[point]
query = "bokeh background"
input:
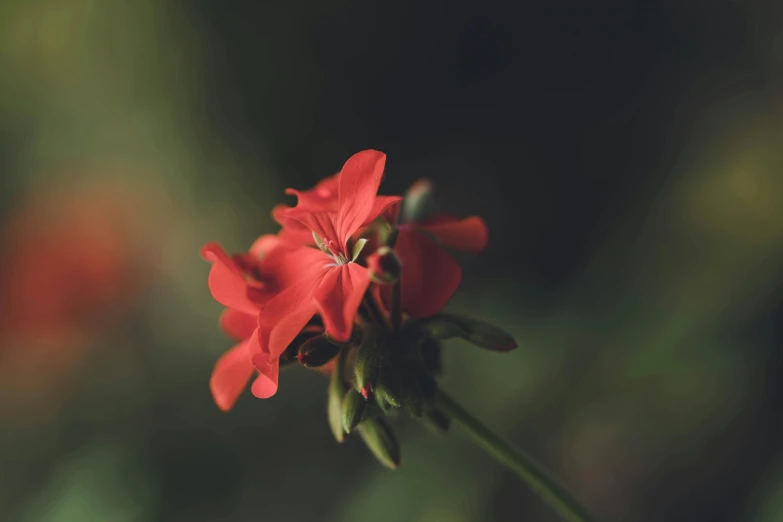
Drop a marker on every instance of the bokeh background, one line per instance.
(627, 156)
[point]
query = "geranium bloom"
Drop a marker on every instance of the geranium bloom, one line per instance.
(327, 279)
(236, 282)
(430, 275)
(315, 267)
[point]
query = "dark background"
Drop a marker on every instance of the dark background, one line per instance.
(625, 155)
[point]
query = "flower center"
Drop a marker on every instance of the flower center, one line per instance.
(339, 258)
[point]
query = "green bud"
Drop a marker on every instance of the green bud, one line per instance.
(419, 390)
(367, 364)
(317, 351)
(390, 388)
(380, 439)
(337, 390)
(380, 400)
(290, 354)
(374, 408)
(484, 335)
(444, 327)
(354, 407)
(417, 201)
(384, 265)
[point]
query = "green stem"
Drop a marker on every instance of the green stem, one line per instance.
(373, 310)
(396, 311)
(525, 467)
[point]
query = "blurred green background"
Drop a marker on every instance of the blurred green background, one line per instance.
(627, 157)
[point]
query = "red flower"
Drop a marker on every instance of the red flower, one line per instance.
(326, 279)
(236, 282)
(73, 264)
(430, 275)
(274, 291)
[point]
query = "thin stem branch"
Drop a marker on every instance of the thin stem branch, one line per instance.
(396, 311)
(525, 467)
(374, 311)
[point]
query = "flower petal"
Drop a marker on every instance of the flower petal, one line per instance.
(264, 244)
(339, 296)
(286, 266)
(279, 214)
(226, 281)
(358, 185)
(468, 235)
(286, 314)
(230, 376)
(430, 276)
(386, 205)
(321, 198)
(238, 325)
(265, 384)
(390, 211)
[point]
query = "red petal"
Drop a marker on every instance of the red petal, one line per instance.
(358, 185)
(264, 244)
(265, 384)
(430, 276)
(468, 235)
(287, 266)
(226, 281)
(339, 296)
(231, 375)
(294, 232)
(238, 325)
(286, 314)
(392, 211)
(321, 198)
(322, 223)
(389, 206)
(279, 214)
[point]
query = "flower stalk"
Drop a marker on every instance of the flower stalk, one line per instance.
(396, 311)
(514, 459)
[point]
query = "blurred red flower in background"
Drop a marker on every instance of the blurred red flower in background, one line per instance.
(69, 270)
